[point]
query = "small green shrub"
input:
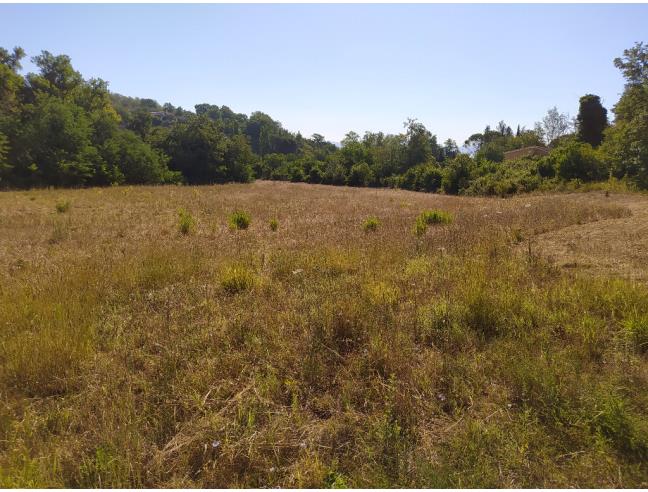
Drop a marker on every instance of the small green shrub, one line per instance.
(237, 278)
(371, 224)
(62, 206)
(274, 225)
(239, 220)
(187, 224)
(431, 217)
(335, 480)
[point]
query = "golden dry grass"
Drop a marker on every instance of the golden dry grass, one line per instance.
(316, 355)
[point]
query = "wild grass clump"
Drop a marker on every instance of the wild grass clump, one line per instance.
(237, 278)
(239, 220)
(624, 430)
(60, 231)
(371, 224)
(431, 217)
(62, 206)
(420, 227)
(274, 224)
(636, 329)
(186, 223)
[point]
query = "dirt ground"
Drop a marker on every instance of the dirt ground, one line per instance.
(617, 246)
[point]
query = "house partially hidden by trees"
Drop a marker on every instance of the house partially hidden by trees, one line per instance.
(532, 151)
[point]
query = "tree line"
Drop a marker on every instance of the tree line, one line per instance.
(58, 129)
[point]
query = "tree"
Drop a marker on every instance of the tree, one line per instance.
(591, 120)
(129, 159)
(11, 83)
(140, 122)
(504, 130)
(555, 125)
(12, 60)
(634, 64)
(419, 143)
(203, 153)
(360, 175)
(626, 143)
(5, 168)
(57, 77)
(238, 160)
(450, 149)
(457, 174)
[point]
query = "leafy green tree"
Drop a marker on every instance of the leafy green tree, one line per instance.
(352, 152)
(239, 160)
(626, 142)
(55, 146)
(140, 122)
(419, 143)
(450, 149)
(634, 64)
(197, 149)
(56, 77)
(457, 174)
(267, 136)
(591, 120)
(316, 173)
(129, 159)
(5, 167)
(11, 83)
(360, 175)
(334, 173)
(270, 164)
(424, 177)
(203, 154)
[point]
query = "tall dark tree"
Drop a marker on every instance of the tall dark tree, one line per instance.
(591, 120)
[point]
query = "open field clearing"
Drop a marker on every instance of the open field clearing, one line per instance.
(141, 346)
(616, 246)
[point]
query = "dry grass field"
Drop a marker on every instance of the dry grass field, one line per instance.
(139, 348)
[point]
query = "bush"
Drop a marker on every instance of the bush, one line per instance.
(239, 220)
(457, 174)
(576, 160)
(62, 206)
(360, 175)
(237, 278)
(425, 177)
(187, 224)
(371, 224)
(274, 225)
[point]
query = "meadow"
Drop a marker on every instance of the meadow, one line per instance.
(284, 334)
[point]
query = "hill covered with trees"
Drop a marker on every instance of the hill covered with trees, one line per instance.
(59, 129)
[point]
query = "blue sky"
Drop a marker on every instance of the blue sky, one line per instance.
(334, 68)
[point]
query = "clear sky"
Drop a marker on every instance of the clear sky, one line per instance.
(334, 68)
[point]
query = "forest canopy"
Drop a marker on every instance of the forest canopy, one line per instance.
(59, 129)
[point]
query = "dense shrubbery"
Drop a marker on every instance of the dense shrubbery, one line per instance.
(57, 129)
